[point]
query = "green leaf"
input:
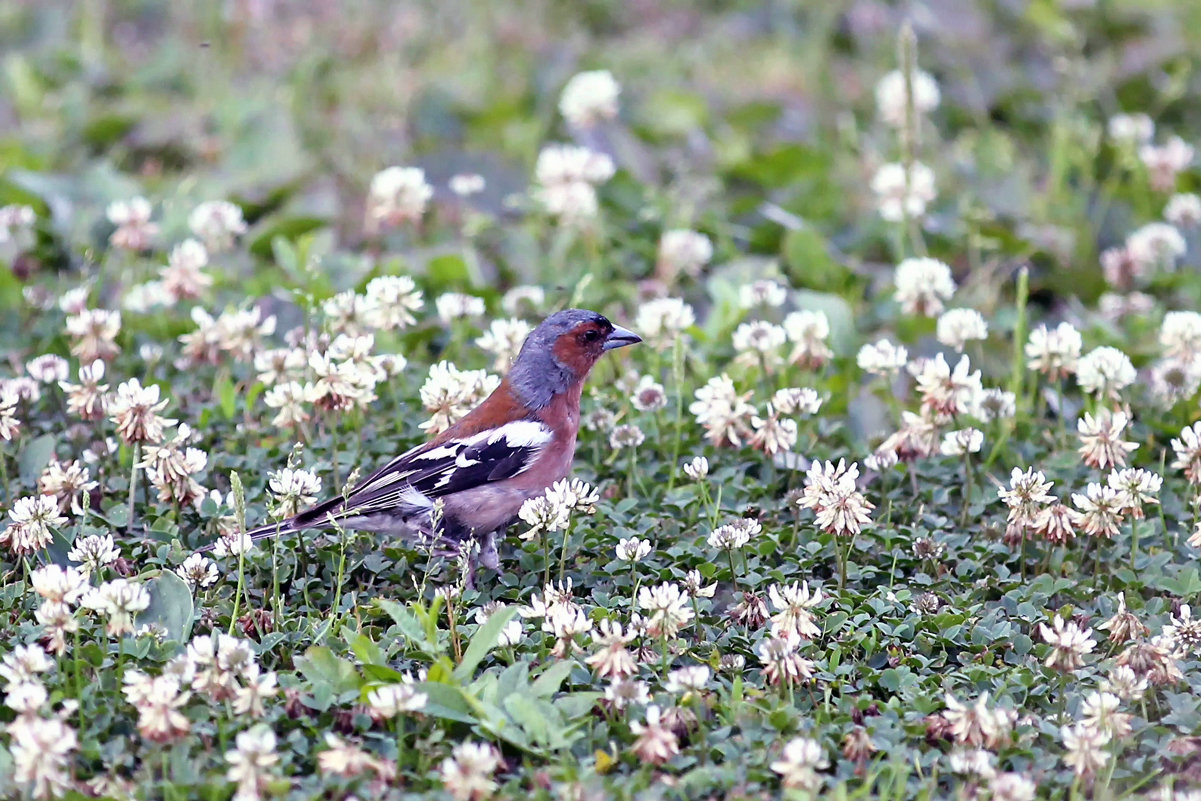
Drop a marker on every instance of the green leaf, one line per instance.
(807, 255)
(226, 394)
(447, 702)
(448, 271)
(320, 666)
(367, 651)
(289, 228)
(551, 679)
(532, 716)
(286, 256)
(35, 456)
(170, 607)
(483, 641)
(409, 624)
(382, 673)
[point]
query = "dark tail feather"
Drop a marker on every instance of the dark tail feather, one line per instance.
(316, 517)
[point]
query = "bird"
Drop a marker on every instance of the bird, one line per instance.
(469, 482)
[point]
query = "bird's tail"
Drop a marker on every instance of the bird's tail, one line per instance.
(319, 516)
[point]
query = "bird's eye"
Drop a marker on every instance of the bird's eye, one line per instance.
(591, 335)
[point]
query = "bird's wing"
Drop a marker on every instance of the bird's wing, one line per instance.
(451, 466)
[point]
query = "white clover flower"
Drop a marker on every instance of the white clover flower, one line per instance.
(691, 679)
(233, 544)
(1136, 487)
(772, 434)
(510, 634)
(1054, 352)
(198, 571)
(626, 435)
(16, 228)
(65, 585)
(1069, 644)
(663, 320)
(217, 223)
(803, 401)
(697, 468)
(32, 520)
(467, 773)
(523, 300)
(41, 749)
(293, 490)
(574, 495)
(892, 99)
(589, 97)
(1104, 371)
(503, 340)
(946, 392)
(957, 327)
(882, 358)
(135, 411)
(183, 276)
(965, 440)
(566, 623)
(1183, 210)
(765, 292)
(397, 195)
(466, 184)
(1135, 128)
(722, 411)
(733, 536)
(649, 395)
(119, 601)
(401, 698)
(48, 368)
(633, 549)
(134, 230)
(392, 302)
(251, 762)
(93, 334)
(1155, 246)
(668, 609)
(923, 285)
(453, 306)
(1084, 748)
(809, 331)
(94, 552)
(449, 393)
(757, 340)
(542, 515)
(902, 193)
(1180, 334)
(794, 604)
(1166, 161)
(566, 177)
(682, 251)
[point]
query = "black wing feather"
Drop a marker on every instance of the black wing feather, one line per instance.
(464, 466)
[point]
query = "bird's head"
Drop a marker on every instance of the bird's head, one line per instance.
(561, 351)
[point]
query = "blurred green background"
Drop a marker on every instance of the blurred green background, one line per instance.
(288, 108)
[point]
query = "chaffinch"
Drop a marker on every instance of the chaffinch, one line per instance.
(516, 443)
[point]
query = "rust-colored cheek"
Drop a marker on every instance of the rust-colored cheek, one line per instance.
(570, 354)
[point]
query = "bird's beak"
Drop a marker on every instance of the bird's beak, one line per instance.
(620, 338)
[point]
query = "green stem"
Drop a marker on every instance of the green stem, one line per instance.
(563, 553)
(970, 479)
(733, 572)
(333, 614)
(133, 480)
(1133, 540)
